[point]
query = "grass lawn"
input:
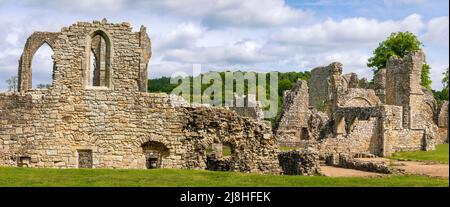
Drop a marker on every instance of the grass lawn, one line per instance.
(438, 155)
(190, 178)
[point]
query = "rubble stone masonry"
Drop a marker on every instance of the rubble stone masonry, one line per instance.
(116, 123)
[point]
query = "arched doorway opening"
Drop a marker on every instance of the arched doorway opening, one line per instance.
(155, 153)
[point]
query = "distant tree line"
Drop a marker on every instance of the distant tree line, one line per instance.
(286, 81)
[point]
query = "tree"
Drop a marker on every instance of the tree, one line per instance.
(12, 83)
(444, 92)
(445, 79)
(425, 79)
(398, 44)
(442, 95)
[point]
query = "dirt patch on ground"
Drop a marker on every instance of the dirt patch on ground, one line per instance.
(415, 167)
(422, 168)
(406, 167)
(344, 172)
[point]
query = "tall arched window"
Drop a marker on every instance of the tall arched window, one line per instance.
(99, 68)
(42, 67)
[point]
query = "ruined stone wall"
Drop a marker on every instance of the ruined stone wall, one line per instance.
(73, 124)
(251, 108)
(443, 115)
(357, 97)
(443, 123)
(380, 85)
(403, 89)
(304, 162)
(355, 130)
(395, 137)
(293, 125)
(50, 129)
(321, 86)
(350, 80)
(253, 147)
(349, 161)
(375, 130)
(127, 55)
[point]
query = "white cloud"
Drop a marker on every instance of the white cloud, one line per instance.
(348, 31)
(81, 5)
(213, 13)
(183, 36)
(438, 31)
(253, 13)
(242, 52)
(224, 13)
(402, 2)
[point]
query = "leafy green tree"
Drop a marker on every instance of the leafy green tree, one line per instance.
(283, 85)
(398, 44)
(442, 95)
(444, 92)
(285, 82)
(425, 79)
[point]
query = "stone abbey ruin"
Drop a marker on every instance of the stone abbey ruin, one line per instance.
(104, 117)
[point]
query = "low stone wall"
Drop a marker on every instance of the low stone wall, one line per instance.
(305, 162)
(348, 161)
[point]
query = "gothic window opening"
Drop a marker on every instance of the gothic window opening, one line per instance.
(42, 67)
(99, 59)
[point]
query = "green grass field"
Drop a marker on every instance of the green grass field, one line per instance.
(190, 178)
(438, 155)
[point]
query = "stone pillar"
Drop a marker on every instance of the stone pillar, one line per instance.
(380, 85)
(323, 81)
(145, 45)
(403, 86)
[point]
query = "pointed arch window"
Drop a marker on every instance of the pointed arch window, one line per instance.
(42, 67)
(98, 67)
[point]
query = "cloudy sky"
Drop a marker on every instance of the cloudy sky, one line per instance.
(256, 35)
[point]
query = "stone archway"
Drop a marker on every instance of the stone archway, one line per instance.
(357, 97)
(34, 42)
(155, 153)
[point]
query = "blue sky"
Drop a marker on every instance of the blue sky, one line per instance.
(256, 35)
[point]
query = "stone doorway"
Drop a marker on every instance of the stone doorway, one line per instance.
(152, 163)
(154, 152)
(84, 158)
